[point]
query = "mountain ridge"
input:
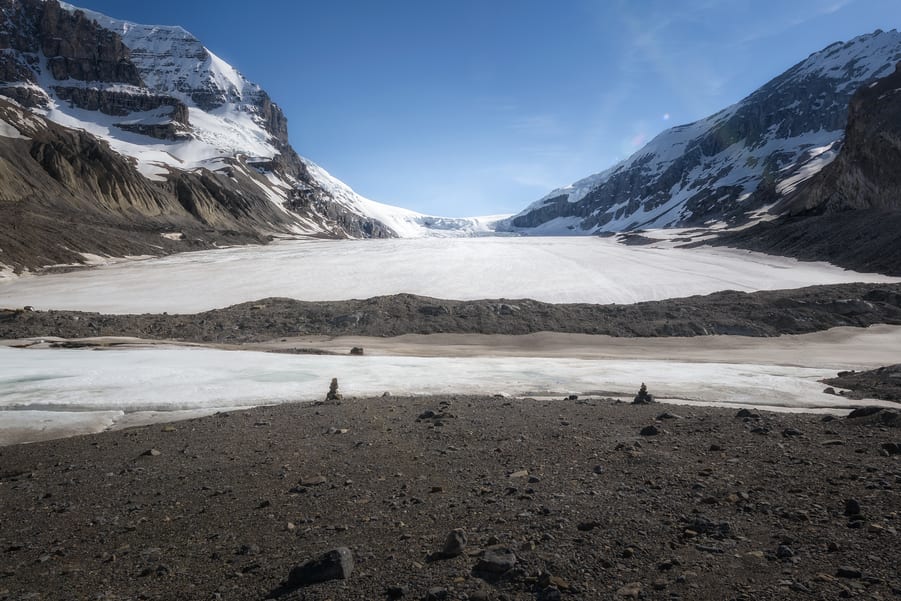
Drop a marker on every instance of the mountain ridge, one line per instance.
(729, 167)
(202, 145)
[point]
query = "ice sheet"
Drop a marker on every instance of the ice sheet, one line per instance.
(590, 269)
(183, 379)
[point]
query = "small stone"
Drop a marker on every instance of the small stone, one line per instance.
(631, 590)
(784, 552)
(151, 453)
(668, 415)
(496, 560)
(357, 350)
(892, 448)
(313, 480)
(396, 592)
(649, 431)
(587, 526)
(436, 593)
(336, 564)
(747, 414)
(168, 428)
(454, 544)
(789, 432)
(551, 593)
(833, 442)
(598, 469)
(520, 474)
(848, 572)
(852, 507)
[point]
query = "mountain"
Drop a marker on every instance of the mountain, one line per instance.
(730, 167)
(849, 213)
(119, 138)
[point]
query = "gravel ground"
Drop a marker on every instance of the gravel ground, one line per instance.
(712, 506)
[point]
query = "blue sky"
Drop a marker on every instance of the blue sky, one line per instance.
(475, 107)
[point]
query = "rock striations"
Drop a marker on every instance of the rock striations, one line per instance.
(145, 142)
(729, 167)
(850, 212)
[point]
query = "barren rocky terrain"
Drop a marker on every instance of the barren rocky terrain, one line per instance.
(557, 499)
(766, 313)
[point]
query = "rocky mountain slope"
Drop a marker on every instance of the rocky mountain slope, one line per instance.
(850, 212)
(731, 166)
(146, 142)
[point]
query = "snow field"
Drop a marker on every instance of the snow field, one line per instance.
(558, 270)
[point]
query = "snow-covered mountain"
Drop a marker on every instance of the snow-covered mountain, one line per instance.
(205, 150)
(729, 167)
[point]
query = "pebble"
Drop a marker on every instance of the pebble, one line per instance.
(496, 560)
(649, 431)
(784, 552)
(396, 592)
(848, 572)
(631, 590)
(436, 593)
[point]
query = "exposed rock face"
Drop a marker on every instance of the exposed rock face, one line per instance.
(118, 103)
(75, 46)
(732, 163)
(867, 172)
(850, 212)
(248, 184)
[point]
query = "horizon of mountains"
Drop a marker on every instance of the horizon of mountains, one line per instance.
(125, 139)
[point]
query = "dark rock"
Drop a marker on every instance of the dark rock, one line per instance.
(668, 415)
(336, 564)
(829, 390)
(892, 448)
(649, 431)
(864, 412)
(784, 552)
(587, 526)
(454, 544)
(789, 432)
(551, 593)
(396, 592)
(747, 414)
(436, 593)
(496, 559)
(848, 572)
(852, 507)
(357, 350)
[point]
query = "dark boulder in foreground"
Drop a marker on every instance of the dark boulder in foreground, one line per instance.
(336, 564)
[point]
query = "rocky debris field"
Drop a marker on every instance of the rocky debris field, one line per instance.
(882, 383)
(767, 313)
(459, 498)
